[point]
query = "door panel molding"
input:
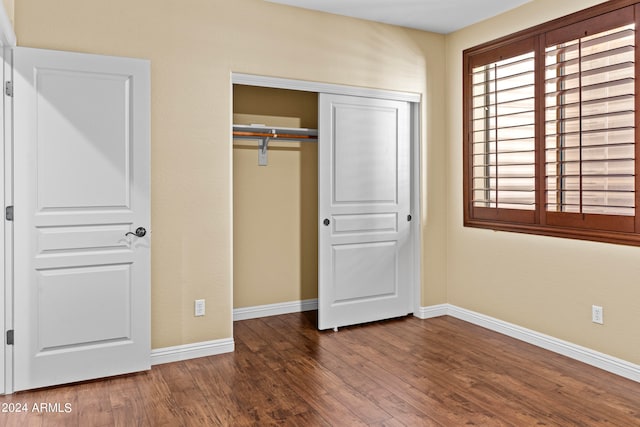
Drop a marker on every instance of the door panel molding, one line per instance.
(81, 172)
(364, 175)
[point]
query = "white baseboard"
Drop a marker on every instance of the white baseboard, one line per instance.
(191, 351)
(274, 309)
(432, 311)
(591, 357)
(227, 345)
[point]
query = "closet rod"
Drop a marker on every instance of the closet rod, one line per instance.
(265, 134)
(262, 131)
(275, 135)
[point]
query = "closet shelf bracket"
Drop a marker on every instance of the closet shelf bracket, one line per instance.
(266, 134)
(262, 151)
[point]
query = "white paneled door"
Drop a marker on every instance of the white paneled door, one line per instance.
(364, 207)
(82, 217)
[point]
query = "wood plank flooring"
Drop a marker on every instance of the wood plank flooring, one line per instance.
(401, 372)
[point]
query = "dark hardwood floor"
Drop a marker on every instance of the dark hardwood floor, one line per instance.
(401, 372)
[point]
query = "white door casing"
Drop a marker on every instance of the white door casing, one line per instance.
(4, 231)
(81, 182)
(7, 40)
(365, 253)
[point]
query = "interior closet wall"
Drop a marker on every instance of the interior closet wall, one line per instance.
(275, 220)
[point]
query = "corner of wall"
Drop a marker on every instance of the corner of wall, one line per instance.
(436, 192)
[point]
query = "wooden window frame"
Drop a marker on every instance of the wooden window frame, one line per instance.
(593, 227)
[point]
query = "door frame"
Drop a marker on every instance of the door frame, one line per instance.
(414, 100)
(7, 41)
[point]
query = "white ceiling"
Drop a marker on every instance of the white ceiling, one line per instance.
(439, 16)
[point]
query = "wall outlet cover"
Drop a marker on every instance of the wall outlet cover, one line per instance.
(199, 307)
(597, 314)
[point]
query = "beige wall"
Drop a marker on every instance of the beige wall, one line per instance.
(8, 7)
(193, 46)
(275, 207)
(546, 284)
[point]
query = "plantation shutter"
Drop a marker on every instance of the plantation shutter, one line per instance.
(590, 150)
(502, 133)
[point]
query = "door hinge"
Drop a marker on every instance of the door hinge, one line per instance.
(8, 213)
(8, 88)
(10, 337)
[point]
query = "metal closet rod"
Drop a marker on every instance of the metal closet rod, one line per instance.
(260, 131)
(265, 134)
(274, 135)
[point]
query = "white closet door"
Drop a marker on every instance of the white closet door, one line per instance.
(364, 202)
(81, 178)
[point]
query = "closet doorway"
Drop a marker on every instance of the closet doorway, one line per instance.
(275, 205)
(347, 243)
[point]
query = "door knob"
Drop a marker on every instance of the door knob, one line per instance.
(326, 221)
(140, 232)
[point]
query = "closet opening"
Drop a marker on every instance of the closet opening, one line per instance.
(275, 202)
(331, 222)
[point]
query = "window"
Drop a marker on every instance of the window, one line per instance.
(550, 128)
(503, 134)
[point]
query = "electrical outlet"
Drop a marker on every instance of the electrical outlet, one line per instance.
(596, 314)
(199, 307)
